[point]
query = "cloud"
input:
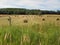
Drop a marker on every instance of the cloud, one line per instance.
(31, 4)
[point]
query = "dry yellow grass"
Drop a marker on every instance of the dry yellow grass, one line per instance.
(32, 19)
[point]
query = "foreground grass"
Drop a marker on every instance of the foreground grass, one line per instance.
(47, 34)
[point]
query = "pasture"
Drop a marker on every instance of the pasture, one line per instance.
(30, 30)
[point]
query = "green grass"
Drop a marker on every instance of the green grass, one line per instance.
(48, 34)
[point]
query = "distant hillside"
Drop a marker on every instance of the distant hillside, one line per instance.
(26, 11)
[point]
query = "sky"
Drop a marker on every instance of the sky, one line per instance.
(31, 4)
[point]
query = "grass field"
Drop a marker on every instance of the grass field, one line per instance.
(48, 34)
(34, 32)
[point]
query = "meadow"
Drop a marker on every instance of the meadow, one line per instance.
(48, 34)
(35, 32)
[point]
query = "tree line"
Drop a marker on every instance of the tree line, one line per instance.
(24, 11)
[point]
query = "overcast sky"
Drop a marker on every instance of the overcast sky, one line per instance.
(31, 4)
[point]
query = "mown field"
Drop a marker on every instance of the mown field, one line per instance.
(31, 19)
(35, 32)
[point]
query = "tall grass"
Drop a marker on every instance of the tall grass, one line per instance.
(47, 34)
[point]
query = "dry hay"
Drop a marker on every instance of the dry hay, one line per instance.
(32, 19)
